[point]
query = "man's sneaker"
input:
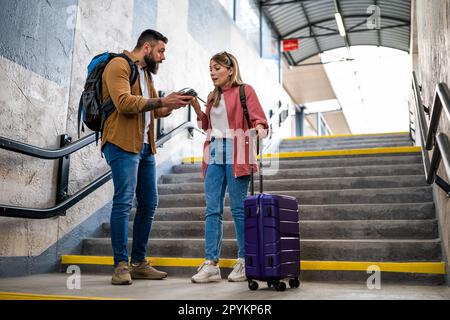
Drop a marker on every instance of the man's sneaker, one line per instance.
(238, 273)
(207, 272)
(121, 274)
(143, 270)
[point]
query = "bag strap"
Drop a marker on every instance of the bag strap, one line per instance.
(244, 104)
(80, 110)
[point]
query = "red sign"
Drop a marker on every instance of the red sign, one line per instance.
(290, 45)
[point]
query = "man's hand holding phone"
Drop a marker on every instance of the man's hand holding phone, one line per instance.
(176, 100)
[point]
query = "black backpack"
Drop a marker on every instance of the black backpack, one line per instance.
(92, 110)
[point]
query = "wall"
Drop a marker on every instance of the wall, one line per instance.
(34, 80)
(431, 61)
(44, 50)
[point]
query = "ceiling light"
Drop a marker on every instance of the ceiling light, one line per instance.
(340, 24)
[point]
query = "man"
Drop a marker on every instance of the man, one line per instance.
(129, 148)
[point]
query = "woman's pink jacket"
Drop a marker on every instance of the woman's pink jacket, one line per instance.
(238, 124)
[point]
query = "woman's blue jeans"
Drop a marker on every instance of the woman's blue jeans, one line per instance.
(132, 174)
(219, 177)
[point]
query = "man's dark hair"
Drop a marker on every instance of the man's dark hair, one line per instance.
(151, 36)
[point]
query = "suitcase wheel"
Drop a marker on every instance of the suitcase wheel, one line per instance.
(294, 283)
(280, 286)
(253, 285)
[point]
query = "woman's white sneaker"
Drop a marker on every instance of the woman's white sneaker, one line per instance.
(238, 273)
(207, 272)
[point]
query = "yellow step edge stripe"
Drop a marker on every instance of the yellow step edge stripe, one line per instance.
(346, 136)
(33, 296)
(159, 262)
(403, 267)
(191, 160)
(324, 153)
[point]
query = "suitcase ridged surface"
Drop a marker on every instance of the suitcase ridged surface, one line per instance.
(272, 237)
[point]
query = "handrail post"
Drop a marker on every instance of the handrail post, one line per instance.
(411, 123)
(159, 121)
(190, 130)
(62, 190)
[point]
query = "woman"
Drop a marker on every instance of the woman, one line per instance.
(226, 161)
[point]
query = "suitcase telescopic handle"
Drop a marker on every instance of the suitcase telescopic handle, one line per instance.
(259, 164)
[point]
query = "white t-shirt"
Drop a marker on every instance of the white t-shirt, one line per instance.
(146, 95)
(219, 121)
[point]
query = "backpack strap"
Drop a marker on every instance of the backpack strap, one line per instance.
(244, 104)
(80, 110)
(133, 67)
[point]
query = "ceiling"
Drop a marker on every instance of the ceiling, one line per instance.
(313, 22)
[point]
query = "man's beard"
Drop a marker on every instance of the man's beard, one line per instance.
(152, 65)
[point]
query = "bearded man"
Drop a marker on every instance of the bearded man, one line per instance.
(128, 144)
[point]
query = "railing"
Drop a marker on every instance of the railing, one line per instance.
(63, 200)
(276, 119)
(430, 139)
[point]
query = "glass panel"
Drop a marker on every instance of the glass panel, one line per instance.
(270, 48)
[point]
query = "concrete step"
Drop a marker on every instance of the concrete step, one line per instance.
(322, 163)
(385, 211)
(382, 137)
(391, 195)
(317, 250)
(297, 148)
(357, 229)
(311, 184)
(329, 141)
(305, 173)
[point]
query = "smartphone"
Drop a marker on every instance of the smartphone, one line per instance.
(188, 92)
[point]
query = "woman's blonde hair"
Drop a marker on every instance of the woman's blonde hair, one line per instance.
(228, 61)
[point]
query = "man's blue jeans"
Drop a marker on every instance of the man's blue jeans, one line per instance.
(132, 174)
(219, 176)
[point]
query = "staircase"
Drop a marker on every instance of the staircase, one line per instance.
(363, 201)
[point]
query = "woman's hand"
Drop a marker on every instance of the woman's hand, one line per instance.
(262, 133)
(196, 105)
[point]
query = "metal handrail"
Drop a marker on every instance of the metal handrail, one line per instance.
(272, 121)
(46, 213)
(57, 210)
(48, 154)
(433, 141)
(422, 123)
(188, 125)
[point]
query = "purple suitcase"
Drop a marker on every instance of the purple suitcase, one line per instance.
(272, 240)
